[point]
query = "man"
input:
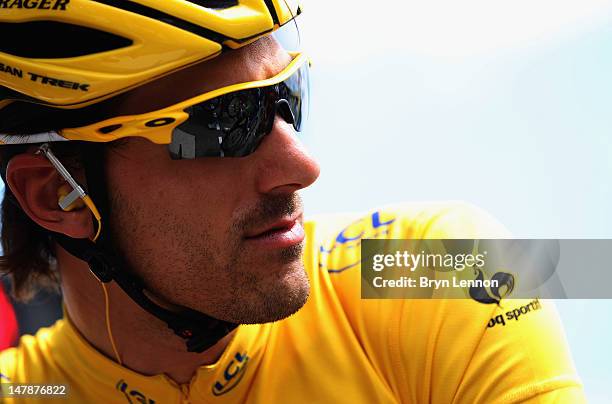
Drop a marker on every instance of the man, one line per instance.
(188, 273)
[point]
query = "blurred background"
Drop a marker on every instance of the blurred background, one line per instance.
(507, 105)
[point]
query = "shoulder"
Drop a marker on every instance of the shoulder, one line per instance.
(470, 351)
(8, 360)
(28, 360)
(434, 219)
(333, 260)
(336, 239)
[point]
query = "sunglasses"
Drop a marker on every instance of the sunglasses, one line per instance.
(227, 122)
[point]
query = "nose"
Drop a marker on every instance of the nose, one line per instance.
(284, 165)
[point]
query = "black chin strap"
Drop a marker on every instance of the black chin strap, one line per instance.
(199, 330)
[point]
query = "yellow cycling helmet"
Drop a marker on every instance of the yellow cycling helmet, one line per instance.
(72, 53)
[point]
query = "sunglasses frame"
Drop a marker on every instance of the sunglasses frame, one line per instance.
(158, 126)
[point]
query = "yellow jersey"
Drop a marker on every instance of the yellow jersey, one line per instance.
(340, 348)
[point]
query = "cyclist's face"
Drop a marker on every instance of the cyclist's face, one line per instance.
(216, 235)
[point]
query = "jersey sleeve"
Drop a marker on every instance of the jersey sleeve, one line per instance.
(450, 350)
(522, 356)
(520, 353)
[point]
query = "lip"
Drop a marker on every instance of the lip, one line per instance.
(280, 234)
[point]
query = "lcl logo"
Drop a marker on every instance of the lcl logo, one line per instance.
(132, 396)
(232, 375)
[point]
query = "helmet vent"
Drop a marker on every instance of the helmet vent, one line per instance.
(215, 3)
(109, 129)
(56, 40)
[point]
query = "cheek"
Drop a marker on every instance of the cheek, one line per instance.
(167, 214)
(198, 193)
(177, 235)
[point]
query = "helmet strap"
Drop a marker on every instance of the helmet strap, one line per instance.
(199, 330)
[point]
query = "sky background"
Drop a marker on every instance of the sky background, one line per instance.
(507, 105)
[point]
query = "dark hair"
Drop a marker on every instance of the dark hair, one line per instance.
(28, 255)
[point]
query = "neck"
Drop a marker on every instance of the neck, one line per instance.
(144, 344)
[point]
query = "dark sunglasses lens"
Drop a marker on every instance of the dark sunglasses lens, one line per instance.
(234, 124)
(248, 115)
(231, 125)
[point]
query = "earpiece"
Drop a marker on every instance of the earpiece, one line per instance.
(71, 195)
(63, 192)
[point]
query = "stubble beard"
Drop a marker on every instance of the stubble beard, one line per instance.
(272, 297)
(220, 285)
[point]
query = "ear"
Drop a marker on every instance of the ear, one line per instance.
(35, 183)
